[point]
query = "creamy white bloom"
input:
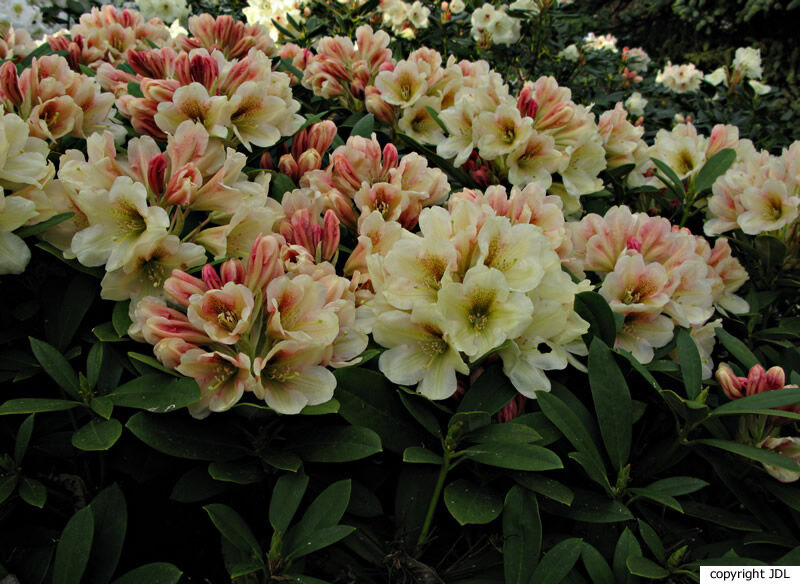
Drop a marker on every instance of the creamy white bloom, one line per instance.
(636, 104)
(747, 62)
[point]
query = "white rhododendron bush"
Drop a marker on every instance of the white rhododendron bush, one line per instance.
(389, 292)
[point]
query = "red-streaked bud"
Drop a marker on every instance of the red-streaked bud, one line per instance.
(288, 166)
(526, 103)
(756, 380)
(330, 235)
(156, 173)
(183, 185)
(320, 136)
(232, 271)
(9, 84)
(390, 159)
(731, 384)
(634, 244)
(204, 69)
(776, 378)
(182, 286)
(264, 263)
(513, 409)
(375, 105)
(266, 162)
(210, 277)
(343, 207)
(345, 170)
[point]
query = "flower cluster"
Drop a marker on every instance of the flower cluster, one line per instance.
(657, 277)
(263, 12)
(54, 100)
(494, 26)
(760, 193)
(404, 19)
(232, 38)
(268, 327)
(15, 45)
(746, 66)
(680, 78)
(605, 42)
(24, 171)
(481, 275)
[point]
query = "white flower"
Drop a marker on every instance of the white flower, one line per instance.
(747, 61)
(505, 30)
(457, 6)
(418, 15)
(717, 76)
(570, 53)
(759, 88)
(636, 104)
(14, 213)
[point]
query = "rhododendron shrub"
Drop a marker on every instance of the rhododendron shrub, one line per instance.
(486, 296)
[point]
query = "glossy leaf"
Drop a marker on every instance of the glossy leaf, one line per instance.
(156, 393)
(286, 496)
(691, 368)
(470, 503)
(110, 525)
(318, 540)
(736, 348)
(31, 405)
(641, 566)
(419, 455)
(558, 562)
(522, 536)
(184, 438)
(231, 525)
(156, 573)
(514, 456)
(97, 435)
(56, 366)
(594, 309)
(339, 444)
(714, 168)
(612, 402)
(758, 454)
(364, 127)
(74, 547)
(32, 491)
(23, 439)
(759, 401)
(490, 393)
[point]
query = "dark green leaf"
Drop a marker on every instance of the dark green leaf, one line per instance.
(435, 115)
(758, 454)
(522, 536)
(32, 492)
(94, 363)
(627, 547)
(652, 540)
(324, 512)
(331, 406)
(110, 525)
(714, 168)
(596, 566)
(339, 444)
(183, 438)
(674, 183)
(279, 185)
(612, 401)
(97, 435)
(368, 399)
(281, 459)
(286, 496)
(677, 486)
(470, 503)
(318, 540)
(419, 455)
(558, 562)
(364, 127)
(31, 405)
(23, 439)
(241, 472)
(504, 433)
(7, 485)
(421, 412)
(641, 566)
(40, 51)
(66, 317)
(514, 456)
(736, 348)
(490, 393)
(156, 393)
(102, 406)
(720, 516)
(156, 573)
(591, 507)
(152, 362)
(134, 89)
(691, 368)
(56, 366)
(231, 525)
(72, 553)
(196, 485)
(550, 488)
(760, 401)
(594, 309)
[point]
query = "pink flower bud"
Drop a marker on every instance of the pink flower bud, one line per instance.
(526, 103)
(210, 277)
(288, 166)
(320, 136)
(375, 105)
(181, 286)
(756, 380)
(204, 70)
(776, 378)
(183, 185)
(266, 162)
(330, 235)
(232, 271)
(170, 349)
(343, 207)
(156, 172)
(344, 169)
(513, 409)
(309, 160)
(390, 159)
(730, 383)
(264, 262)
(9, 84)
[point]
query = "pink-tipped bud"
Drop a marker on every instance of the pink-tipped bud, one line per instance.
(156, 172)
(343, 207)
(634, 244)
(288, 166)
(299, 143)
(232, 271)
(204, 69)
(344, 169)
(330, 235)
(266, 162)
(731, 384)
(390, 159)
(181, 286)
(526, 103)
(308, 161)
(320, 136)
(264, 262)
(170, 350)
(210, 277)
(513, 409)
(776, 378)
(756, 380)
(183, 185)
(375, 105)
(9, 84)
